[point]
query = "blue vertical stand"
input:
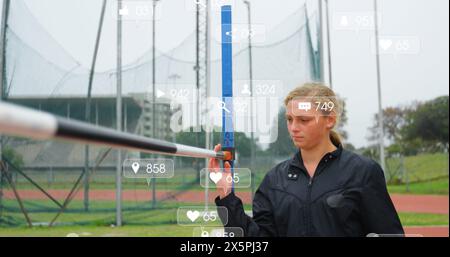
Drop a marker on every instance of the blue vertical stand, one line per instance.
(227, 84)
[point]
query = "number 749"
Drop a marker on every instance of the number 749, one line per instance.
(326, 106)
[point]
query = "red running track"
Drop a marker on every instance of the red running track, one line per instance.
(438, 204)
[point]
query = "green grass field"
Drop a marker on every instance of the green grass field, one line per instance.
(100, 231)
(434, 187)
(420, 167)
(171, 230)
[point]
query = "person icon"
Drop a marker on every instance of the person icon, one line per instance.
(246, 90)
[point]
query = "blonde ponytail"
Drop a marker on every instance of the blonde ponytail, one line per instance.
(335, 138)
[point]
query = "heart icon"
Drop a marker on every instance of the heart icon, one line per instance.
(192, 215)
(385, 44)
(215, 176)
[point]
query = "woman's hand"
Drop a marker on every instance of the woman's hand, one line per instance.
(223, 187)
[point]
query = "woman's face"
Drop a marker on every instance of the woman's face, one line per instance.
(307, 127)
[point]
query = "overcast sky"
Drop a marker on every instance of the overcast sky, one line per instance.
(421, 74)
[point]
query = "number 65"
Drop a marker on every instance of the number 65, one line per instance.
(234, 179)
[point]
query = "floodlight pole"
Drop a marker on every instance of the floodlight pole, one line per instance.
(380, 106)
(119, 115)
(87, 113)
(250, 72)
(330, 69)
(4, 21)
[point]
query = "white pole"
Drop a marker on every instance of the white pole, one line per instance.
(208, 139)
(330, 70)
(321, 48)
(250, 71)
(380, 106)
(4, 20)
(25, 122)
(119, 116)
(5, 7)
(88, 106)
(153, 181)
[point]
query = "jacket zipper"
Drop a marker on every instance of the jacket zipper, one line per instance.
(309, 213)
(309, 226)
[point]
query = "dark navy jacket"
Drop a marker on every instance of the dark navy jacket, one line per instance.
(347, 196)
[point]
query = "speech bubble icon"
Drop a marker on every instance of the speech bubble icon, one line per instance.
(192, 215)
(215, 176)
(306, 106)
